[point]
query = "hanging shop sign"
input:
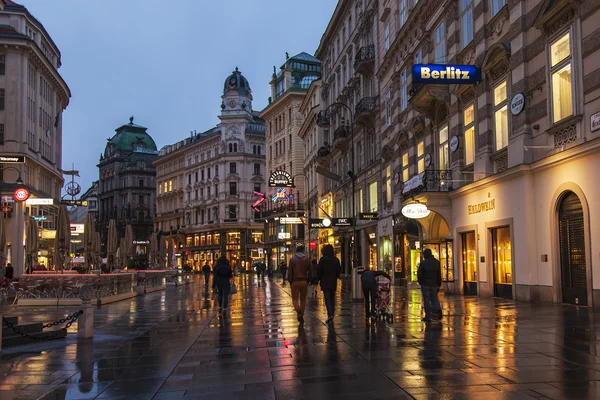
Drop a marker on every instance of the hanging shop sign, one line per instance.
(415, 211)
(141, 242)
(281, 195)
(517, 104)
(454, 143)
(12, 159)
(595, 121)
(319, 223)
(39, 217)
(284, 235)
(446, 73)
(281, 179)
(367, 216)
(413, 183)
(6, 208)
(342, 221)
(312, 245)
(21, 194)
(290, 221)
(39, 202)
(77, 228)
(82, 203)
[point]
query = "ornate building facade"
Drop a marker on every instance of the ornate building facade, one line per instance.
(205, 186)
(126, 188)
(503, 165)
(284, 207)
(350, 105)
(33, 96)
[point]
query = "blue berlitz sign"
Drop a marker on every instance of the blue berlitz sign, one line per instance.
(445, 73)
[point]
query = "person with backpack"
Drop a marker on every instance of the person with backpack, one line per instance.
(222, 281)
(329, 272)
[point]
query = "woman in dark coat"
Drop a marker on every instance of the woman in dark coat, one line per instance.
(330, 270)
(221, 280)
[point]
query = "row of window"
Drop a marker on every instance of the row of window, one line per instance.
(280, 147)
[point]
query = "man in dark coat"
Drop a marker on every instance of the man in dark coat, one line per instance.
(221, 280)
(283, 269)
(9, 271)
(206, 272)
(429, 276)
(369, 288)
(329, 271)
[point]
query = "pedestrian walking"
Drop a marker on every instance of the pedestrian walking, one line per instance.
(206, 272)
(260, 272)
(222, 281)
(300, 274)
(368, 283)
(283, 268)
(429, 276)
(314, 282)
(329, 271)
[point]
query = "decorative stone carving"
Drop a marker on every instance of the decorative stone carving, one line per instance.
(501, 163)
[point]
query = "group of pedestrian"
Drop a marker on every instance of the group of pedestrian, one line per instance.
(303, 271)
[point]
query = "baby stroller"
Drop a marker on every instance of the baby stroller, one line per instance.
(382, 303)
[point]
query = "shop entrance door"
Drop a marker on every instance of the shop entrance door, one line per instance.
(572, 250)
(502, 262)
(469, 261)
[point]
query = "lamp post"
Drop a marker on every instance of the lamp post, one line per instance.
(323, 121)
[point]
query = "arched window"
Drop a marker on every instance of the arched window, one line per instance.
(258, 152)
(254, 149)
(235, 147)
(230, 148)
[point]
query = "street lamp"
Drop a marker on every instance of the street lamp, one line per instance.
(19, 180)
(323, 121)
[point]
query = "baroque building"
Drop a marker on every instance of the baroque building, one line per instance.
(33, 96)
(350, 105)
(284, 207)
(126, 188)
(205, 186)
(504, 165)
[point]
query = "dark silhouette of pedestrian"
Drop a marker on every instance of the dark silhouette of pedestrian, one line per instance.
(206, 272)
(429, 276)
(222, 281)
(9, 272)
(283, 268)
(329, 272)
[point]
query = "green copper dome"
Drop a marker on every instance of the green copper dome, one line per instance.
(130, 138)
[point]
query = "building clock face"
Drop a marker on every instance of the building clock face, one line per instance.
(232, 103)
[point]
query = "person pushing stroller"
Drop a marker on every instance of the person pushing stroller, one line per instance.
(369, 288)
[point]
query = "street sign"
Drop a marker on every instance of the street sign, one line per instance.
(319, 223)
(82, 203)
(290, 221)
(342, 221)
(12, 159)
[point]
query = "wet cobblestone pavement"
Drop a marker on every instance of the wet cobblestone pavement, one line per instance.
(174, 345)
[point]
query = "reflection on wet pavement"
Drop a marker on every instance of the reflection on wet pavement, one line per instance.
(174, 345)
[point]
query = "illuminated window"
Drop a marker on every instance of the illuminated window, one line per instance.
(469, 257)
(502, 256)
(501, 116)
(443, 150)
(420, 158)
(373, 197)
(388, 184)
(197, 240)
(562, 82)
(361, 203)
(170, 186)
(468, 120)
(404, 167)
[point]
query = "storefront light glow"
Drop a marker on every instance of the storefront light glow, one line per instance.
(415, 211)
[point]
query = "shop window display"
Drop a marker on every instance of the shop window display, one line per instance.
(469, 257)
(501, 251)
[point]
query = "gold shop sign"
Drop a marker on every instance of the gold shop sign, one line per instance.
(480, 207)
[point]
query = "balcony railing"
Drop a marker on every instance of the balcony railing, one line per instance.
(365, 59)
(365, 109)
(428, 181)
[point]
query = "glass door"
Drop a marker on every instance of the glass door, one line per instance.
(469, 261)
(502, 262)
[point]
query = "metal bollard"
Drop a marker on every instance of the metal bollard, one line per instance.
(357, 294)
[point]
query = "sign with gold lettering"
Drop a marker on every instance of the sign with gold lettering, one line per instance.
(481, 207)
(442, 73)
